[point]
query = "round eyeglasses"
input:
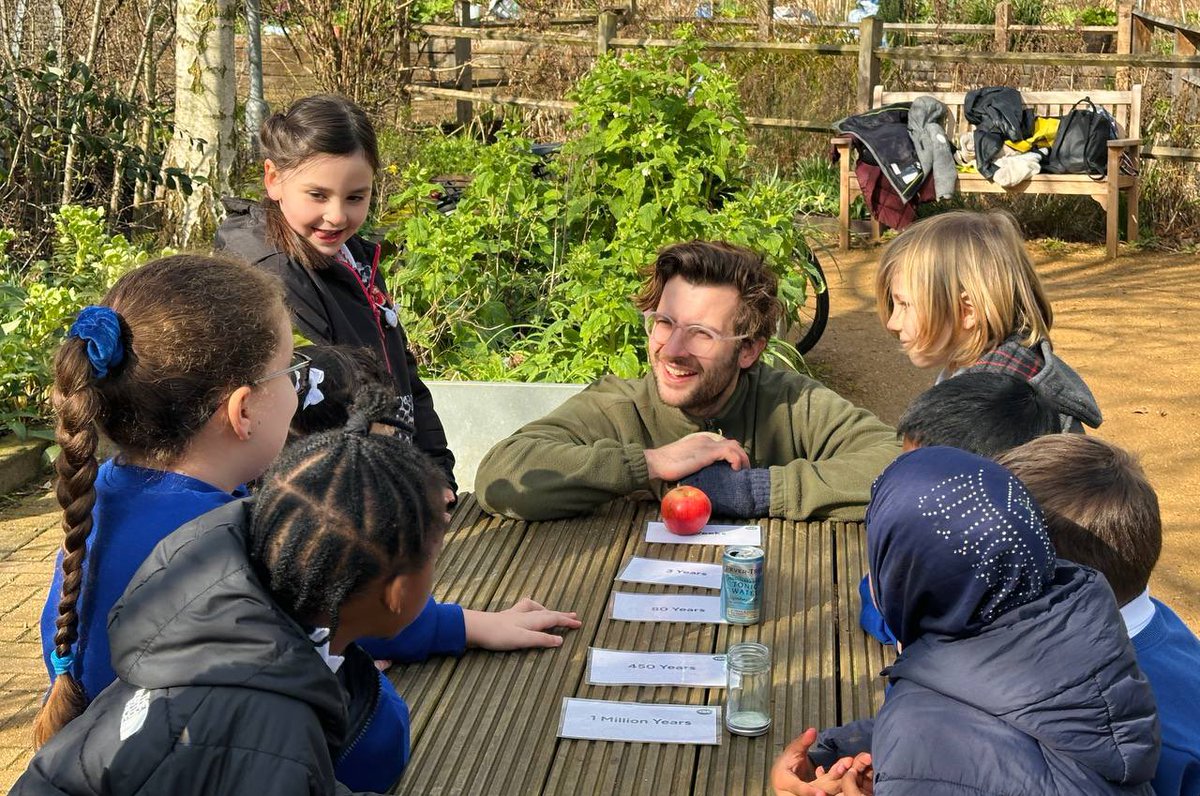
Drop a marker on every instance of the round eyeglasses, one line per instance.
(699, 340)
(297, 371)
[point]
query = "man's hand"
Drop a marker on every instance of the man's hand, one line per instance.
(694, 452)
(523, 626)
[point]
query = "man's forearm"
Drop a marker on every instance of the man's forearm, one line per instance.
(534, 478)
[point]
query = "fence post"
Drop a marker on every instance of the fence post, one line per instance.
(870, 38)
(1124, 41)
(766, 19)
(463, 109)
(1003, 17)
(606, 30)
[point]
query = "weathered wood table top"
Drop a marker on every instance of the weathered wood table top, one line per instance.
(486, 723)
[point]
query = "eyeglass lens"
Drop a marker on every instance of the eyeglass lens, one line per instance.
(696, 339)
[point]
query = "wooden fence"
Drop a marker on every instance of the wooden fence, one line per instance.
(1133, 37)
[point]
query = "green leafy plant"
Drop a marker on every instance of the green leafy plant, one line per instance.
(39, 305)
(531, 278)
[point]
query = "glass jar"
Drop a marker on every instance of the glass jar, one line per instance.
(748, 689)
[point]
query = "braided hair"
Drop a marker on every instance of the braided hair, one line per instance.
(190, 329)
(347, 370)
(342, 508)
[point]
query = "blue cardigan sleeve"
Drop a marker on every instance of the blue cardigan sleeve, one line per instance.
(438, 630)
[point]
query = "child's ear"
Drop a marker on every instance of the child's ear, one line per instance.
(271, 180)
(395, 592)
(237, 412)
(967, 310)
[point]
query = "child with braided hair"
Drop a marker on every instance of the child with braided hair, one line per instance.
(234, 643)
(188, 367)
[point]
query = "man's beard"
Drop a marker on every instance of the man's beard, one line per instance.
(710, 383)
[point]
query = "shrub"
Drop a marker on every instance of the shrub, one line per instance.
(45, 106)
(531, 278)
(39, 305)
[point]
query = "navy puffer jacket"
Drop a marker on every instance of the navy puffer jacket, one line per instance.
(1016, 675)
(1047, 701)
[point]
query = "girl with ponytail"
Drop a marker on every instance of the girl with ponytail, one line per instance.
(186, 367)
(320, 159)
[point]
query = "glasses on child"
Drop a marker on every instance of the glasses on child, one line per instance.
(700, 340)
(297, 371)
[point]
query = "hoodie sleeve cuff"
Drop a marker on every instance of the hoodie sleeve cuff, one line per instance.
(635, 464)
(438, 630)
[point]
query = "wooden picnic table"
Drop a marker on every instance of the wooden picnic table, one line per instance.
(487, 723)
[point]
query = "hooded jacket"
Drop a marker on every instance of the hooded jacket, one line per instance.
(1054, 380)
(932, 144)
(219, 690)
(1016, 675)
(884, 141)
(1048, 701)
(331, 306)
(999, 114)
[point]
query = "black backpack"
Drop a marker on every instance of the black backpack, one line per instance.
(1081, 144)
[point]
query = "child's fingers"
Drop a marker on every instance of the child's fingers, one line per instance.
(850, 785)
(544, 620)
(527, 605)
(533, 639)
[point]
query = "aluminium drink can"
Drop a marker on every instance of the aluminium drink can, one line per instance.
(741, 585)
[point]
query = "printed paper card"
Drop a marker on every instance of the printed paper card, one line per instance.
(639, 722)
(672, 573)
(632, 607)
(686, 669)
(709, 534)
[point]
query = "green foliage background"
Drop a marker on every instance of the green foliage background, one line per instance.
(532, 278)
(38, 306)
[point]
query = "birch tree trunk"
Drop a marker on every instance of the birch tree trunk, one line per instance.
(203, 144)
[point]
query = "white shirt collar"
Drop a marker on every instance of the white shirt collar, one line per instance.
(1137, 613)
(321, 638)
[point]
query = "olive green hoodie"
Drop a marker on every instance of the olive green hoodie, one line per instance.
(822, 451)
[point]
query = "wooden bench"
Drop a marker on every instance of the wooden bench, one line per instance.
(1126, 108)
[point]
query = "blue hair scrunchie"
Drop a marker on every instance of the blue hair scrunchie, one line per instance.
(101, 328)
(62, 663)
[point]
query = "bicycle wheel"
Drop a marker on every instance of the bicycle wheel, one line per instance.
(806, 328)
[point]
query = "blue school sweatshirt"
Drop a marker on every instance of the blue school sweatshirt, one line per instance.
(1169, 654)
(136, 507)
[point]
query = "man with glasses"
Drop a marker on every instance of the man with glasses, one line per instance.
(757, 440)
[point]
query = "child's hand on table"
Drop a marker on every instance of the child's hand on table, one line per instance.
(793, 773)
(524, 625)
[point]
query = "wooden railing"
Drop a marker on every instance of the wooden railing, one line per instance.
(1132, 34)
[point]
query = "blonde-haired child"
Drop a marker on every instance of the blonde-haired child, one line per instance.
(961, 294)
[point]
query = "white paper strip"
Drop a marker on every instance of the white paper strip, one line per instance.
(689, 669)
(632, 607)
(709, 534)
(639, 722)
(672, 573)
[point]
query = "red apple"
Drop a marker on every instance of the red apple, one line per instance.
(685, 510)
